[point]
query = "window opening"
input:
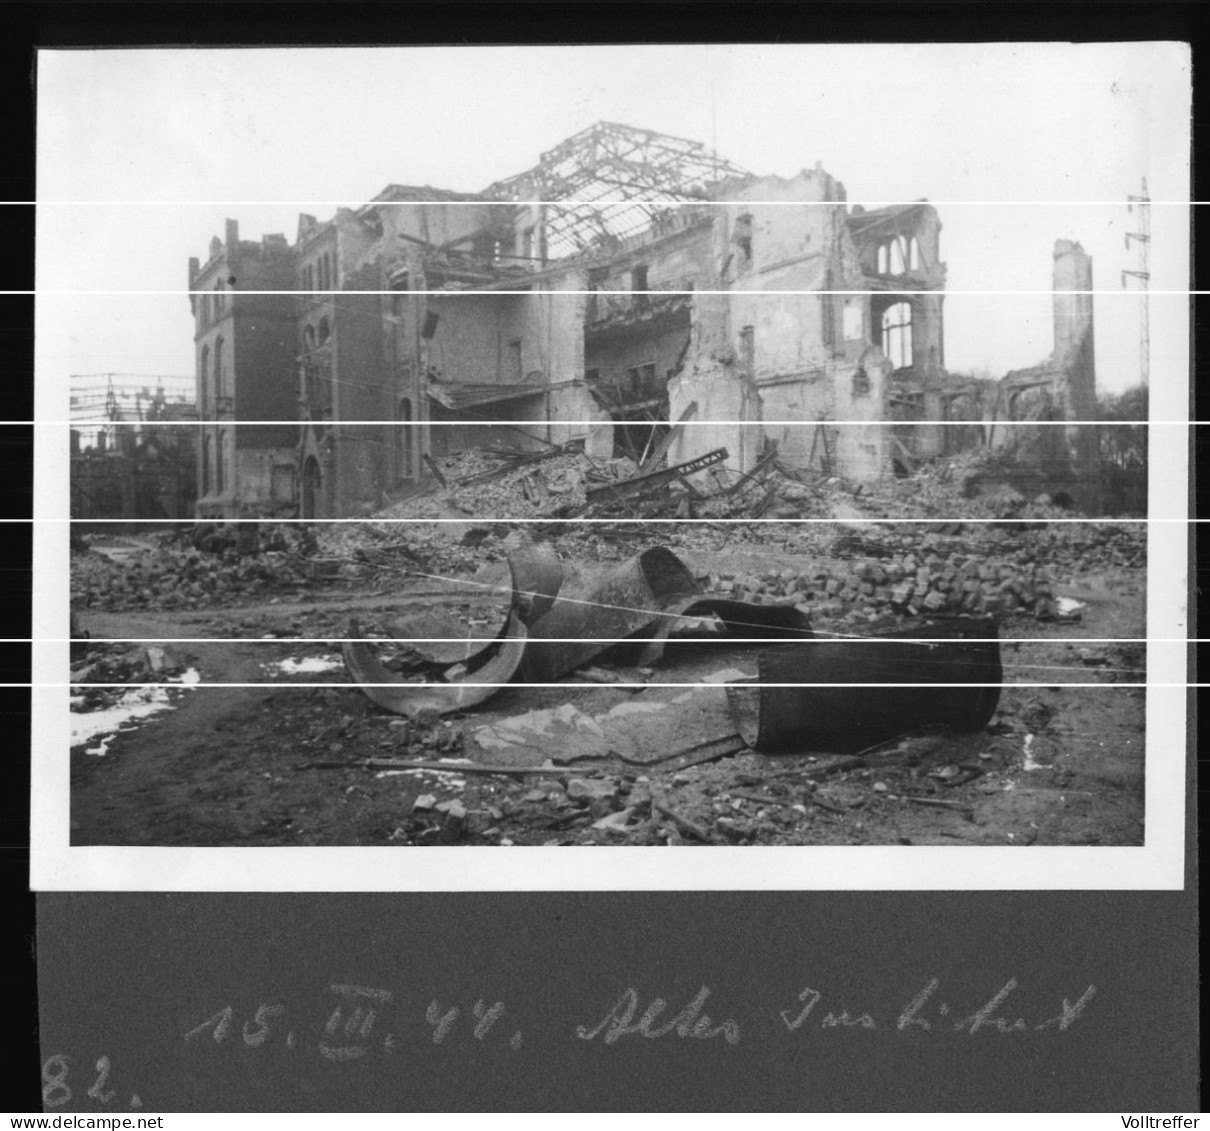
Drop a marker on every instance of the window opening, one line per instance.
(311, 481)
(219, 391)
(205, 377)
(897, 334)
(854, 322)
(896, 252)
(747, 350)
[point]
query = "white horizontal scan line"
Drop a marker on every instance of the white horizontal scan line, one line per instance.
(831, 638)
(602, 203)
(864, 520)
(538, 389)
(563, 686)
(796, 291)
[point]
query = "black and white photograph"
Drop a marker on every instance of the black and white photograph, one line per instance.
(585, 465)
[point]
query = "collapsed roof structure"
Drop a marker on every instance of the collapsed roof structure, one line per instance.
(610, 181)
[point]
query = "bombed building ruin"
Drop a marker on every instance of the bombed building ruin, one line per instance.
(627, 283)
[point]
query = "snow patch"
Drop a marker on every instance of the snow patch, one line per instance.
(308, 664)
(137, 703)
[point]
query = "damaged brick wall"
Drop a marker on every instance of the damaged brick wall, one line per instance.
(245, 365)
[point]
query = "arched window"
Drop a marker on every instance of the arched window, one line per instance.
(219, 307)
(325, 331)
(309, 338)
(897, 334)
(914, 254)
(882, 259)
(311, 483)
(327, 270)
(207, 459)
(219, 391)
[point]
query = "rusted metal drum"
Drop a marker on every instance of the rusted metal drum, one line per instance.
(847, 694)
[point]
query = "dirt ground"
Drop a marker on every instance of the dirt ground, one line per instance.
(280, 763)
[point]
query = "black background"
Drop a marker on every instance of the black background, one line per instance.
(127, 975)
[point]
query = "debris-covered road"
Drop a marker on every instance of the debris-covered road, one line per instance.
(613, 753)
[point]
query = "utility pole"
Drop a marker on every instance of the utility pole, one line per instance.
(1142, 240)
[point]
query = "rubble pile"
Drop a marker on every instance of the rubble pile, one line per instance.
(964, 567)
(979, 570)
(382, 551)
(912, 584)
(968, 483)
(172, 572)
(512, 484)
(865, 574)
(563, 482)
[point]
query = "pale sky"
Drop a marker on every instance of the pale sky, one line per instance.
(142, 155)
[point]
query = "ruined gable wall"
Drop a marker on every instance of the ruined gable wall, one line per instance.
(793, 245)
(749, 335)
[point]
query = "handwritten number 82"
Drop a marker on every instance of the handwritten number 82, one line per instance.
(55, 1091)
